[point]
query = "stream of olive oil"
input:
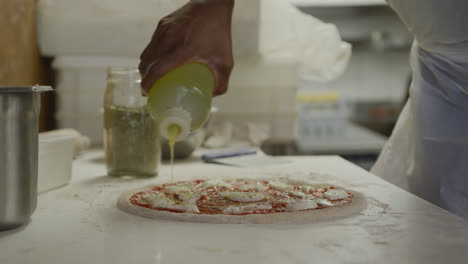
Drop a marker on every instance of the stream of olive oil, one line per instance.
(174, 131)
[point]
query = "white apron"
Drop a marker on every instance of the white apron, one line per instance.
(427, 152)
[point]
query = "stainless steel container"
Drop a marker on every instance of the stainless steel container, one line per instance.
(19, 114)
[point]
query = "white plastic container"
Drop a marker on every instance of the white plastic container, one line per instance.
(322, 114)
(56, 153)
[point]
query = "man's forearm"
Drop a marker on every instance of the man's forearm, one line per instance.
(229, 4)
(222, 8)
(199, 31)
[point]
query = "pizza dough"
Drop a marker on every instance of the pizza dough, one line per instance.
(295, 217)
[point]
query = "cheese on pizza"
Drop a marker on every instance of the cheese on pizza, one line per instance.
(239, 197)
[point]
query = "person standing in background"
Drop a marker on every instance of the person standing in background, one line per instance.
(435, 161)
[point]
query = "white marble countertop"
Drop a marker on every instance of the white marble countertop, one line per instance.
(81, 224)
(339, 3)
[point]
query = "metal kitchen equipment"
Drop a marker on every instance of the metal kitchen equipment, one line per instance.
(131, 136)
(19, 115)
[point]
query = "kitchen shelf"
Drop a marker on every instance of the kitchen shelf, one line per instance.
(337, 3)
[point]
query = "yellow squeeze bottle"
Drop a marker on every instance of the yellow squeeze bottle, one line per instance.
(181, 101)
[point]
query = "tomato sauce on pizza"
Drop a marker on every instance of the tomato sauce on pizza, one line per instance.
(240, 197)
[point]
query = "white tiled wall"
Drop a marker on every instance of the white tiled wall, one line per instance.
(259, 92)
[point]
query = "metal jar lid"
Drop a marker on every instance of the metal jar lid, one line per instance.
(24, 89)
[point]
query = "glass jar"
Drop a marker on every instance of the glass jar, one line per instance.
(131, 136)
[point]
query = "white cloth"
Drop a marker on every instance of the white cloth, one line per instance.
(396, 161)
(316, 45)
(428, 150)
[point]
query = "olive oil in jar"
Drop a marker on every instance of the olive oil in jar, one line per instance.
(131, 139)
(131, 136)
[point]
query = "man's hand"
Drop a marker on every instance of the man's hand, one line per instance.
(200, 31)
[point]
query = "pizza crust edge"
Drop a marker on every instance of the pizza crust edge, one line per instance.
(358, 203)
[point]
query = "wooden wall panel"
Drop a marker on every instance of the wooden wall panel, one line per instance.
(20, 61)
